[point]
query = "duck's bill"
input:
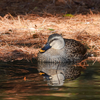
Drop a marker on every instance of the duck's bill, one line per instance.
(45, 48)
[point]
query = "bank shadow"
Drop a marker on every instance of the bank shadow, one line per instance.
(41, 7)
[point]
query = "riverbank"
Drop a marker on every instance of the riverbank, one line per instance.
(25, 26)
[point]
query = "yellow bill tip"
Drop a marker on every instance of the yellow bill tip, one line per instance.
(41, 73)
(42, 50)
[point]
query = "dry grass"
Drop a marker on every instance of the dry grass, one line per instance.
(22, 38)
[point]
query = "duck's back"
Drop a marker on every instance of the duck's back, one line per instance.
(75, 46)
(74, 49)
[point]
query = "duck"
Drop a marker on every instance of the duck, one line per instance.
(59, 49)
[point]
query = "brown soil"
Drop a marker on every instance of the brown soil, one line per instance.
(25, 25)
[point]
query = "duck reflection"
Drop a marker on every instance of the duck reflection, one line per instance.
(56, 73)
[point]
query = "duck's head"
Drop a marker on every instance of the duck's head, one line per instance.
(55, 41)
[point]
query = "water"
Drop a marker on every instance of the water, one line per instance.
(43, 81)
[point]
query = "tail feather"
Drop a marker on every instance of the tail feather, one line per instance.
(88, 55)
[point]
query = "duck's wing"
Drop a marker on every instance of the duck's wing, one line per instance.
(75, 46)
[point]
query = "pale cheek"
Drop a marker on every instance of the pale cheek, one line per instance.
(56, 46)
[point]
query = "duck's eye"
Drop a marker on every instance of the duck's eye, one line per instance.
(52, 40)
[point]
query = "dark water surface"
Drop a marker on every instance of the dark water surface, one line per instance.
(46, 81)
